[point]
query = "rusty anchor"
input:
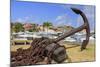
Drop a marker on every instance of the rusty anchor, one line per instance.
(49, 48)
(84, 26)
(61, 50)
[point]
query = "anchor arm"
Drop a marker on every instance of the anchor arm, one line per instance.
(84, 26)
(87, 28)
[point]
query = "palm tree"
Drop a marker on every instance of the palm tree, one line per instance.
(35, 28)
(47, 25)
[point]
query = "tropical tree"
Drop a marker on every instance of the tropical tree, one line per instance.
(11, 26)
(47, 25)
(18, 27)
(35, 27)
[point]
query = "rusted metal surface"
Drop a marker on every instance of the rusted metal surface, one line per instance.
(42, 48)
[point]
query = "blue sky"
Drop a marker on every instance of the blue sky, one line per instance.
(57, 14)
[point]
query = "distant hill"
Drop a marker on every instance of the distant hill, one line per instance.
(68, 27)
(65, 28)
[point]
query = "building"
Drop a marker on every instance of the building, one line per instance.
(27, 26)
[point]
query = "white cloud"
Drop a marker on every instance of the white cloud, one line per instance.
(24, 19)
(63, 20)
(19, 20)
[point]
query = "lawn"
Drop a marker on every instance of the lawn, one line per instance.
(22, 40)
(75, 55)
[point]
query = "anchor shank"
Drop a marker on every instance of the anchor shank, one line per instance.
(70, 33)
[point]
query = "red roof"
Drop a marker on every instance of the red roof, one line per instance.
(27, 26)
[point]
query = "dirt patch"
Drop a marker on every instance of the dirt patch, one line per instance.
(75, 55)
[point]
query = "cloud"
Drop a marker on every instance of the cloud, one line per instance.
(63, 20)
(19, 20)
(24, 19)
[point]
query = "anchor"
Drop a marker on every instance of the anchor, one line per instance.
(49, 48)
